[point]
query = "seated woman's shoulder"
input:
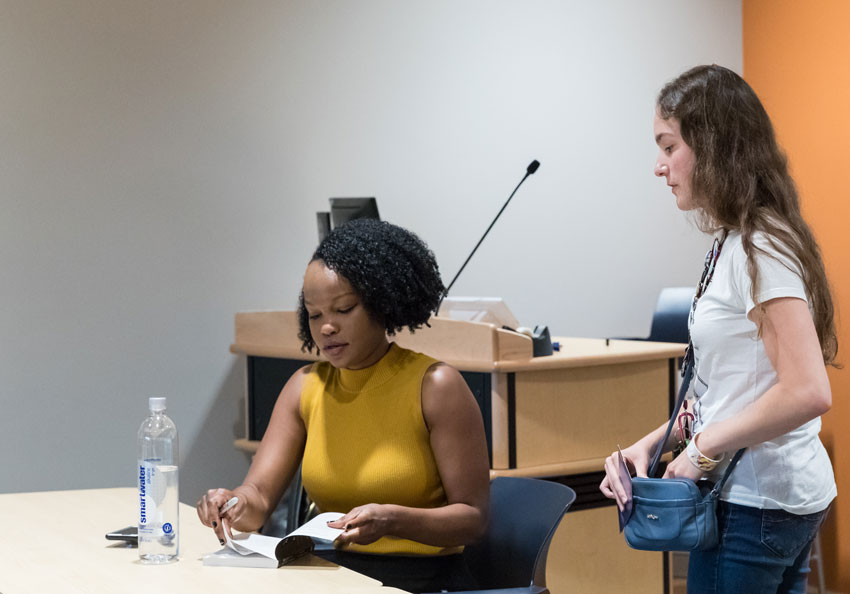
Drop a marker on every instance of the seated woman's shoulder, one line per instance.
(445, 390)
(442, 376)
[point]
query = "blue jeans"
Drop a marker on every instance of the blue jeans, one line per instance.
(761, 551)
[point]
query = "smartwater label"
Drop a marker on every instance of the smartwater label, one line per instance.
(148, 516)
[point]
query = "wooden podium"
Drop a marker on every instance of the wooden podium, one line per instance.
(556, 417)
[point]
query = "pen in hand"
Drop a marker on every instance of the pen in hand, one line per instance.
(227, 506)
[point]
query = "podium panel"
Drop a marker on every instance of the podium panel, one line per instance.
(614, 567)
(582, 413)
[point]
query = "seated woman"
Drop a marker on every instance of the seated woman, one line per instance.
(390, 437)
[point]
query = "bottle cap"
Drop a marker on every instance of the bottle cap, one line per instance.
(156, 404)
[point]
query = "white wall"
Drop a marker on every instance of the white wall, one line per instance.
(161, 163)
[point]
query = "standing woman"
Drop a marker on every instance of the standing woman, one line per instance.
(389, 437)
(762, 332)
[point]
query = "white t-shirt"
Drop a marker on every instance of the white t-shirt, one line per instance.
(732, 370)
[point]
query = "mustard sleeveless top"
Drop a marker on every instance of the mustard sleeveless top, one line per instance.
(367, 442)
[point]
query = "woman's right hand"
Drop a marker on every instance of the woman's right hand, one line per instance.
(273, 466)
(636, 457)
(209, 507)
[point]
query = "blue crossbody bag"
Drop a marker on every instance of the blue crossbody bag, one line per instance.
(675, 514)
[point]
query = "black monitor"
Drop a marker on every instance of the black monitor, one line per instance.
(344, 210)
(347, 209)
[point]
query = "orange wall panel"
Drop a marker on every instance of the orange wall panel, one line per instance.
(797, 58)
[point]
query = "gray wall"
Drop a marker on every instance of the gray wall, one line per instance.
(161, 163)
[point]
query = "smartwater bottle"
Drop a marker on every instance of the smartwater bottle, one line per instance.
(157, 478)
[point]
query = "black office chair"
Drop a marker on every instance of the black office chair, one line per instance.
(294, 509)
(524, 514)
(670, 319)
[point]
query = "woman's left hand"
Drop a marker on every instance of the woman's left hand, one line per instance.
(682, 467)
(364, 524)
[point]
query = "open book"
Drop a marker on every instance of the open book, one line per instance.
(256, 550)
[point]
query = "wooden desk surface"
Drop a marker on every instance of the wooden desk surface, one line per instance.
(54, 541)
(587, 352)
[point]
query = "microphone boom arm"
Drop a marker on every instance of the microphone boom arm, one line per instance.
(530, 170)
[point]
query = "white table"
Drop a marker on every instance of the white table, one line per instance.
(54, 542)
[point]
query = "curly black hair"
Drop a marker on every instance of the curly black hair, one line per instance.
(393, 272)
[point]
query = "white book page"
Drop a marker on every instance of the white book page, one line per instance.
(248, 543)
(318, 527)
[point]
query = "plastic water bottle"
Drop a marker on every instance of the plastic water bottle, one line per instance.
(157, 479)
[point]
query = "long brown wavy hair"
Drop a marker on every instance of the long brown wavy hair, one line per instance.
(741, 180)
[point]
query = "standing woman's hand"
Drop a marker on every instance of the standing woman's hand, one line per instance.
(637, 459)
(682, 467)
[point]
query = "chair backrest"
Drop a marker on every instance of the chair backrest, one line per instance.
(524, 514)
(670, 320)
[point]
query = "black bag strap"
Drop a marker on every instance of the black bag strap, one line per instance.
(688, 368)
(719, 484)
(687, 375)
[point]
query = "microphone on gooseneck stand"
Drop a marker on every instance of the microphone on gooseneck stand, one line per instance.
(532, 167)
